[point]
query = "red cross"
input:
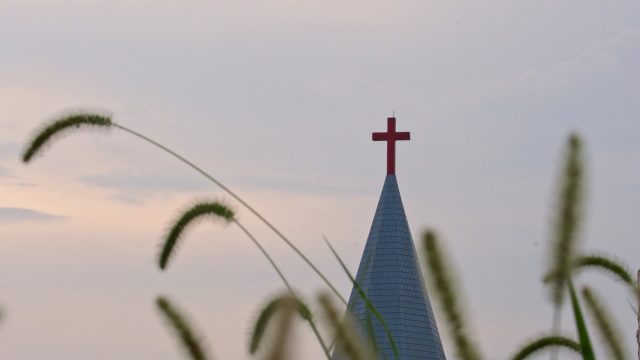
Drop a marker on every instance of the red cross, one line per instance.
(391, 136)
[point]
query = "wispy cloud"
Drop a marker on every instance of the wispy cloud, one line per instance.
(13, 214)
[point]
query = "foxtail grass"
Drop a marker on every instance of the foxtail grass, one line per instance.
(216, 210)
(347, 339)
(545, 343)
(81, 120)
(369, 306)
(61, 126)
(286, 306)
(446, 292)
(606, 327)
(567, 220)
(198, 212)
(190, 342)
(608, 265)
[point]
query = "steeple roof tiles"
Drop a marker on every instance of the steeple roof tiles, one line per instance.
(390, 275)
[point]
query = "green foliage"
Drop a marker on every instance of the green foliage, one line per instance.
(605, 326)
(183, 330)
(61, 126)
(199, 211)
(544, 343)
(445, 290)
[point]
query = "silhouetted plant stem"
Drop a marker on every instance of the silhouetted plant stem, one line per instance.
(607, 329)
(88, 120)
(217, 210)
(309, 319)
(446, 294)
(556, 324)
(565, 230)
(237, 198)
(183, 330)
(286, 302)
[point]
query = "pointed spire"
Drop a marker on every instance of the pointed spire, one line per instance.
(390, 276)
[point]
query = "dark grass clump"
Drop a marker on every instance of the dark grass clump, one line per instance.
(199, 211)
(190, 342)
(61, 126)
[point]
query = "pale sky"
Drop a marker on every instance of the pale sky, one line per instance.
(278, 99)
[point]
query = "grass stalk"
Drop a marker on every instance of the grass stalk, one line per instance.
(80, 120)
(237, 198)
(183, 330)
(446, 292)
(608, 332)
(206, 209)
(567, 222)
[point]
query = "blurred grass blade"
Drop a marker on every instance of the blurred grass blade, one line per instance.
(567, 221)
(288, 305)
(544, 343)
(608, 265)
(367, 303)
(606, 327)
(581, 326)
(347, 337)
(60, 126)
(190, 342)
(196, 212)
(267, 313)
(305, 314)
(446, 293)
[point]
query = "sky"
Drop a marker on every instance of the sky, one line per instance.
(277, 99)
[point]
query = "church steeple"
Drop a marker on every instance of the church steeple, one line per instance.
(390, 276)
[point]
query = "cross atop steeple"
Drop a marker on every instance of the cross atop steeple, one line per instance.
(391, 136)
